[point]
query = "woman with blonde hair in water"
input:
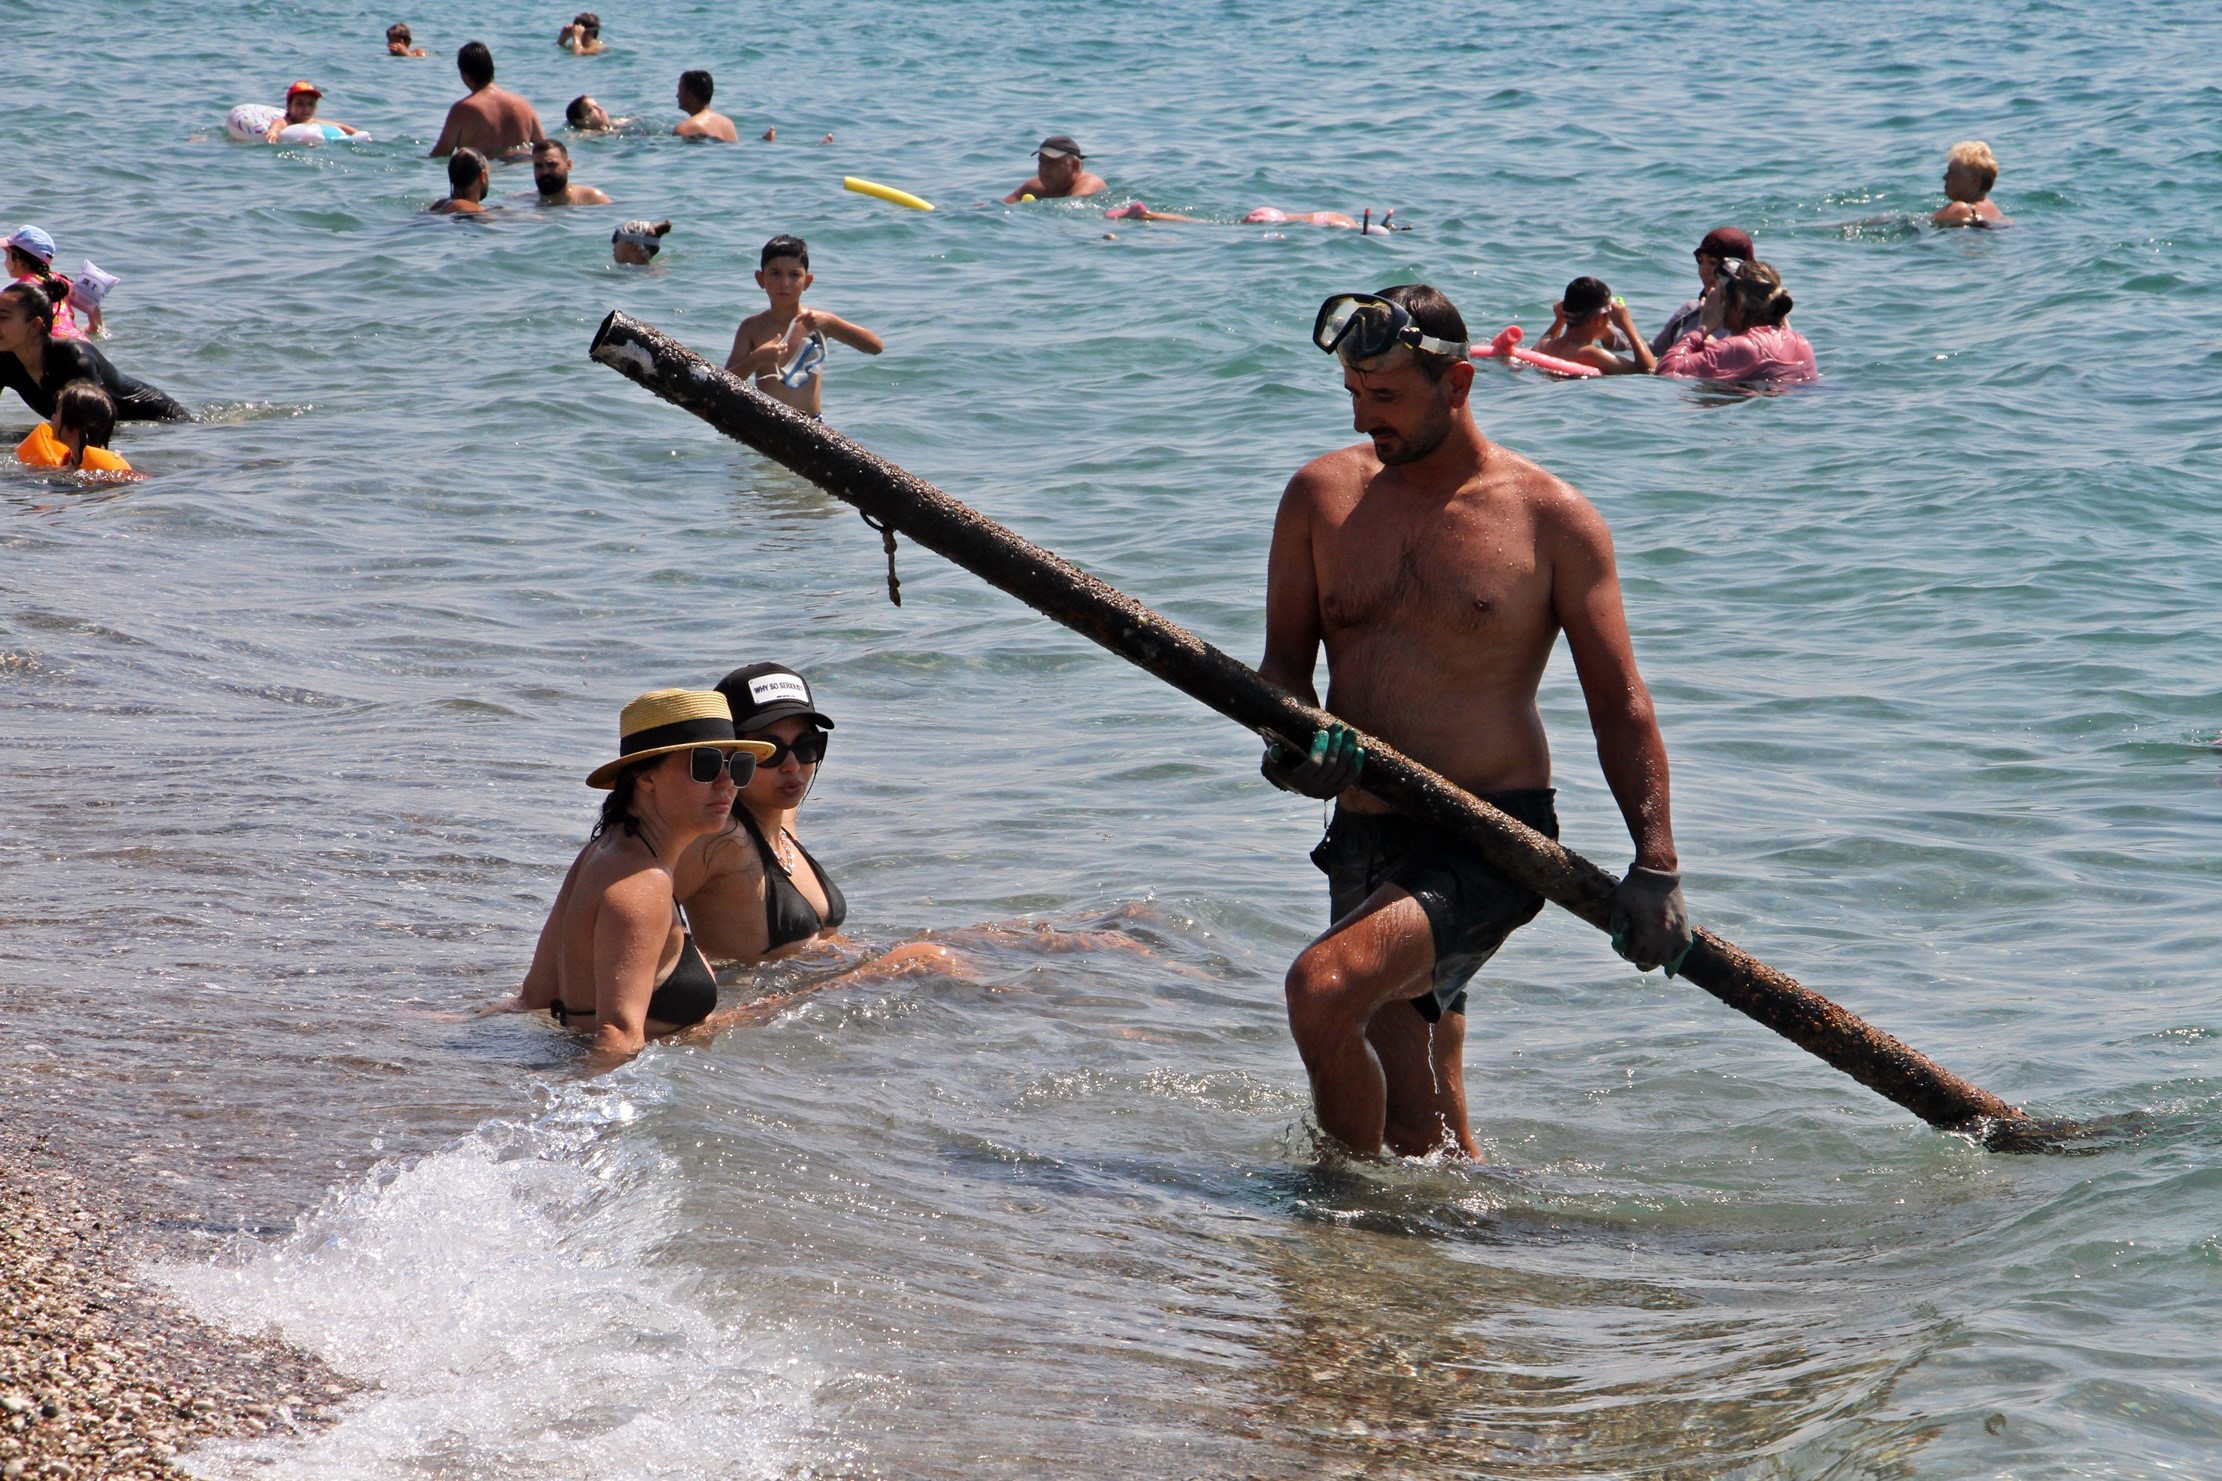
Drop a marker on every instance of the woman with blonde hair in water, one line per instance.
(1970, 171)
(616, 959)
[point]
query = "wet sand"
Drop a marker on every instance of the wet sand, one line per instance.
(101, 1375)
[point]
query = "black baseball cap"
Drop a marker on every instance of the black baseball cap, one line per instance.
(765, 693)
(1057, 144)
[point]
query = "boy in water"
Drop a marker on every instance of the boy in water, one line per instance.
(1970, 171)
(399, 43)
(785, 344)
(467, 180)
(1584, 319)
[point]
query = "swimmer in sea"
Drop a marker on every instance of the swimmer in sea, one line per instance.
(583, 36)
(1265, 216)
(36, 364)
(1722, 244)
(300, 107)
(1744, 334)
(1584, 319)
(467, 182)
(1970, 171)
(590, 117)
(76, 436)
(636, 243)
(551, 176)
(696, 88)
(30, 259)
(616, 959)
(1060, 170)
(783, 346)
(492, 120)
(399, 43)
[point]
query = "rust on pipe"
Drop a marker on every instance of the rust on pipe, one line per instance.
(891, 497)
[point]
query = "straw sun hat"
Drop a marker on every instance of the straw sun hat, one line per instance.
(666, 720)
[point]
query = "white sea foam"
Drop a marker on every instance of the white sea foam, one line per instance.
(506, 1299)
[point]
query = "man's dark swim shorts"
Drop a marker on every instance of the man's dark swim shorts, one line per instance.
(1470, 908)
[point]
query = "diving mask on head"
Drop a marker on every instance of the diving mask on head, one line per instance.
(1366, 326)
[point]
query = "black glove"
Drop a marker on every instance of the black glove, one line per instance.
(1650, 925)
(1334, 763)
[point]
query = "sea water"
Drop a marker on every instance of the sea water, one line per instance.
(297, 728)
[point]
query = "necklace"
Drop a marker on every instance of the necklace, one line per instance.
(786, 851)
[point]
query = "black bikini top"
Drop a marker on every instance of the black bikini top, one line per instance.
(687, 995)
(788, 917)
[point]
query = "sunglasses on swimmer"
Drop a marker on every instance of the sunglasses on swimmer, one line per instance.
(705, 762)
(1365, 326)
(809, 748)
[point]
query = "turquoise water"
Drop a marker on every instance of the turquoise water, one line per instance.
(297, 728)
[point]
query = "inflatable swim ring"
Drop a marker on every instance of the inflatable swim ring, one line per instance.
(249, 123)
(1506, 347)
(886, 193)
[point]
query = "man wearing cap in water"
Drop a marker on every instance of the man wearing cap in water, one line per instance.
(1060, 170)
(1439, 570)
(1721, 244)
(300, 107)
(636, 243)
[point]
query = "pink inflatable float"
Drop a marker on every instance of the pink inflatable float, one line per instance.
(1506, 347)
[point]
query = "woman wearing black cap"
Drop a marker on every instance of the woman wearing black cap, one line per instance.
(616, 958)
(752, 891)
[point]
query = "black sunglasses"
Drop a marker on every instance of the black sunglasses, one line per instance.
(705, 762)
(809, 748)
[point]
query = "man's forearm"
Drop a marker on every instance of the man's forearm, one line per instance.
(1633, 756)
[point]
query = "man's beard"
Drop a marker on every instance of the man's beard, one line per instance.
(1411, 452)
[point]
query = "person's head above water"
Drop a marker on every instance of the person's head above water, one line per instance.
(476, 63)
(675, 750)
(1405, 364)
(636, 243)
(586, 114)
(1584, 300)
(398, 39)
(84, 416)
(1721, 244)
(696, 88)
(551, 166)
(589, 24)
(27, 312)
(1756, 298)
(1058, 162)
(783, 268)
(466, 175)
(300, 102)
(1970, 170)
(772, 702)
(30, 253)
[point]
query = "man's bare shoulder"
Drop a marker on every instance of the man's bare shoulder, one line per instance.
(1558, 508)
(1339, 473)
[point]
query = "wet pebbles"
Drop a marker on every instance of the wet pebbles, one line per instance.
(101, 1376)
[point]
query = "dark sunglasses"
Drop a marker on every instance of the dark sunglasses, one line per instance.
(1365, 326)
(809, 748)
(705, 762)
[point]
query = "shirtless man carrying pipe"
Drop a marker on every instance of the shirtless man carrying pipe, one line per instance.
(1439, 569)
(492, 120)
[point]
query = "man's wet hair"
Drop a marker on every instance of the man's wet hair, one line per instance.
(785, 246)
(1437, 317)
(578, 111)
(463, 168)
(588, 22)
(476, 63)
(398, 32)
(696, 83)
(556, 144)
(86, 408)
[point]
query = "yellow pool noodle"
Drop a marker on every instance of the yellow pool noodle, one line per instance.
(886, 193)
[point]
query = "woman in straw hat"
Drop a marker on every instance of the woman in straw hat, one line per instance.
(616, 958)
